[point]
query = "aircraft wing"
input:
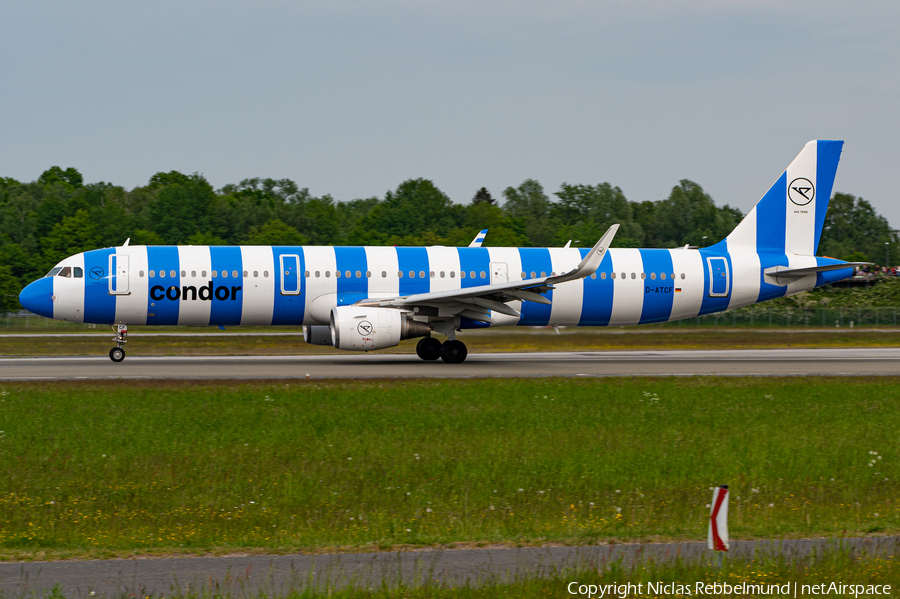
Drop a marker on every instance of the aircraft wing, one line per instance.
(479, 239)
(476, 302)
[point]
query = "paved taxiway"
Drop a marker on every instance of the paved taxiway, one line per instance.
(279, 574)
(754, 362)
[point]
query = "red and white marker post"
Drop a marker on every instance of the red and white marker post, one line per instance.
(718, 520)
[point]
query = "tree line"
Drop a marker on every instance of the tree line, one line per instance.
(43, 221)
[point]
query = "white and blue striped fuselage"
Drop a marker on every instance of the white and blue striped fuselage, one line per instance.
(261, 285)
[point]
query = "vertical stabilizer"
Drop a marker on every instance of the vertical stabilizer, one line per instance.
(790, 217)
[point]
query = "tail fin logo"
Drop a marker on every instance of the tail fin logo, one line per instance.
(801, 191)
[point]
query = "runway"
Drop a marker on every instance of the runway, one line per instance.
(756, 362)
(278, 575)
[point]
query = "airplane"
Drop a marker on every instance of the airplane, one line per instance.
(370, 298)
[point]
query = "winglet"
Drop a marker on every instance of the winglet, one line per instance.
(479, 239)
(591, 262)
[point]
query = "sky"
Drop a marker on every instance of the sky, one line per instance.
(350, 98)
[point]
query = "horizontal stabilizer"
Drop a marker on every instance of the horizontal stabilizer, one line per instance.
(782, 275)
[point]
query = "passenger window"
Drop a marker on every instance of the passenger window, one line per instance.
(66, 272)
(265, 274)
(348, 274)
(172, 273)
(203, 274)
(245, 274)
(224, 274)
(193, 273)
(317, 274)
(533, 275)
(462, 274)
(327, 274)
(482, 274)
(594, 275)
(643, 275)
(524, 275)
(234, 274)
(442, 274)
(432, 274)
(256, 274)
(337, 274)
(162, 274)
(653, 276)
(383, 274)
(421, 274)
(553, 273)
(400, 274)
(624, 276)
(682, 275)
(634, 276)
(79, 272)
(141, 274)
(215, 274)
(613, 275)
(368, 274)
(662, 276)
(358, 275)
(183, 273)
(543, 274)
(152, 273)
(452, 274)
(307, 274)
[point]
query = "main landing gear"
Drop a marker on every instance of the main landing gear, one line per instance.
(451, 352)
(117, 354)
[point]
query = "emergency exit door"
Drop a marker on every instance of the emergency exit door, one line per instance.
(118, 274)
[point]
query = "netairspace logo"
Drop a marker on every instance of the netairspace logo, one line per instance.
(720, 589)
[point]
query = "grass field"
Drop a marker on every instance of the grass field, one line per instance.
(115, 468)
(503, 340)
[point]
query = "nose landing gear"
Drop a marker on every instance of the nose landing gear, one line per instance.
(117, 354)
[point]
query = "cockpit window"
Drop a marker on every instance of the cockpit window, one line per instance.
(79, 272)
(53, 272)
(65, 272)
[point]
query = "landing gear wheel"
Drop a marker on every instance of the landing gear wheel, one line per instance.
(117, 354)
(428, 348)
(453, 352)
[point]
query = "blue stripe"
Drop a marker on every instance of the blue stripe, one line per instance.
(536, 260)
(658, 293)
(413, 260)
(99, 305)
(771, 218)
(715, 304)
(226, 261)
(165, 259)
(288, 309)
(829, 154)
(596, 304)
(474, 261)
(352, 259)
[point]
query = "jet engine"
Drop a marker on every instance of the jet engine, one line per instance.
(358, 328)
(317, 334)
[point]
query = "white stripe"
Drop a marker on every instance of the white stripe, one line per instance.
(259, 291)
(132, 308)
(800, 224)
(686, 304)
(194, 259)
(513, 261)
(383, 259)
(567, 297)
(804, 283)
(321, 291)
(628, 293)
(446, 260)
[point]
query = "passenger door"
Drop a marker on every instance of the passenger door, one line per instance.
(718, 277)
(290, 275)
(118, 274)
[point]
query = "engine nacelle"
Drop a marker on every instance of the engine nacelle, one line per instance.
(317, 334)
(358, 328)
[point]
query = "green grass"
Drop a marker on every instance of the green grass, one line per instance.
(165, 467)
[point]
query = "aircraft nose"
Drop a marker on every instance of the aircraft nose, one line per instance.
(37, 297)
